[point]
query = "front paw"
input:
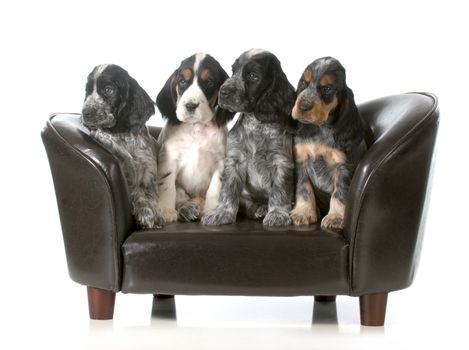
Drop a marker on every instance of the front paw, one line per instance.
(218, 217)
(300, 216)
(261, 211)
(148, 217)
(332, 221)
(169, 214)
(277, 218)
(189, 211)
(256, 212)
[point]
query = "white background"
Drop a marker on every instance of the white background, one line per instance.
(49, 47)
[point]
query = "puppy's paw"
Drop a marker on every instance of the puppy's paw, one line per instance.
(159, 220)
(300, 216)
(218, 217)
(261, 211)
(332, 221)
(256, 211)
(189, 211)
(277, 218)
(169, 214)
(148, 217)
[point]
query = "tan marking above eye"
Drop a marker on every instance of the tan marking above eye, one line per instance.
(205, 75)
(326, 79)
(308, 75)
(187, 74)
(332, 156)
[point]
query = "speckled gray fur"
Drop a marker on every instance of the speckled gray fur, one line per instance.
(137, 152)
(258, 174)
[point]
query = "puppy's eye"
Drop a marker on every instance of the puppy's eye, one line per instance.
(253, 77)
(109, 90)
(210, 83)
(326, 90)
(182, 82)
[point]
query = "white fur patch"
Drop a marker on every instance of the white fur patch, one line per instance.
(94, 98)
(254, 52)
(199, 57)
(194, 94)
(196, 151)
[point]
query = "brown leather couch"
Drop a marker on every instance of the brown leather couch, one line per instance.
(377, 252)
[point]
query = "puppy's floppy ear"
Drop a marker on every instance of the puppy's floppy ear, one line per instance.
(144, 106)
(278, 99)
(167, 99)
(223, 116)
(136, 106)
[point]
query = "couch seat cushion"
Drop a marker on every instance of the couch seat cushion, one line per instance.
(240, 259)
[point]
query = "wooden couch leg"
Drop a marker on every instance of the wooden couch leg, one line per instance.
(324, 298)
(373, 309)
(101, 303)
(163, 296)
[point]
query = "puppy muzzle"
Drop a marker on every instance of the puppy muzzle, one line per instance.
(231, 95)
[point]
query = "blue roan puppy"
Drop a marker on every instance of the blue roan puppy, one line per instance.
(258, 171)
(329, 143)
(115, 110)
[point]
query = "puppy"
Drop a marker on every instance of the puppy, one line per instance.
(328, 144)
(258, 170)
(115, 110)
(194, 139)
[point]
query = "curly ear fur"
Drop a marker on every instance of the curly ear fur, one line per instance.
(136, 106)
(142, 104)
(279, 97)
(167, 99)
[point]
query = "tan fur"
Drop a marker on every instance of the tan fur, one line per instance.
(187, 74)
(205, 74)
(305, 212)
(335, 218)
(331, 156)
(308, 75)
(326, 79)
(318, 114)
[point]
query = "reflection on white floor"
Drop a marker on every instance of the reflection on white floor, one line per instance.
(236, 323)
(207, 322)
(44, 320)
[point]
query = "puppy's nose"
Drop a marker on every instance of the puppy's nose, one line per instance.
(305, 105)
(87, 113)
(191, 106)
(226, 91)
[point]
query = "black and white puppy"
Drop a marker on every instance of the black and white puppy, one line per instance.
(194, 139)
(258, 170)
(115, 110)
(329, 143)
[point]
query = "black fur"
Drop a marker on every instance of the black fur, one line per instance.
(167, 98)
(129, 104)
(115, 110)
(258, 171)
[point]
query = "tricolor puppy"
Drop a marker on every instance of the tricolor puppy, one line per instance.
(115, 110)
(328, 144)
(193, 140)
(258, 171)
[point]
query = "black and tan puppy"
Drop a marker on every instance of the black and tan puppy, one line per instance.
(328, 143)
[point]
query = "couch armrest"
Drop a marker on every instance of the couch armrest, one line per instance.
(92, 200)
(385, 215)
